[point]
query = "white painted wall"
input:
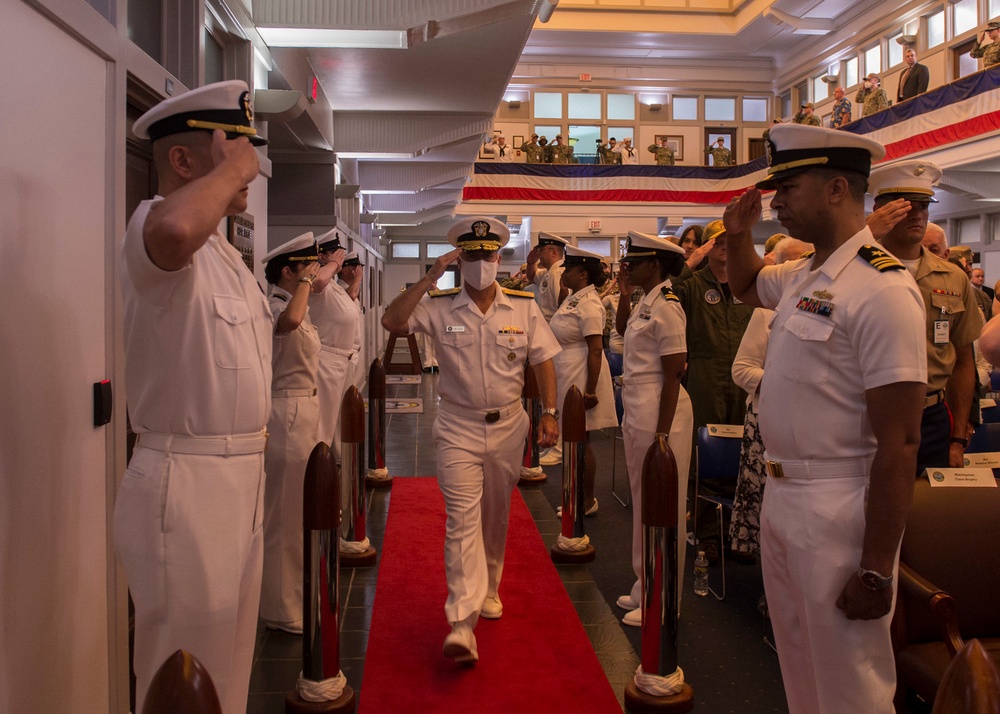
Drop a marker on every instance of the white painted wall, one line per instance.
(54, 184)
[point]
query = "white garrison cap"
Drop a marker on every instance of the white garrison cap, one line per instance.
(352, 258)
(551, 239)
(912, 180)
(300, 248)
(221, 105)
(579, 256)
(479, 233)
(792, 148)
(644, 245)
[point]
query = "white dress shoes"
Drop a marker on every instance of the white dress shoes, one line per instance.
(460, 644)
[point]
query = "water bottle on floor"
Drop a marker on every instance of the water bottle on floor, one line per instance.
(701, 574)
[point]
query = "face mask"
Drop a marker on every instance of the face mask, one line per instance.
(479, 273)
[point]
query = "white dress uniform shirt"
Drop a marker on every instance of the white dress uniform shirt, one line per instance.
(549, 282)
(503, 153)
(629, 154)
(334, 314)
(838, 331)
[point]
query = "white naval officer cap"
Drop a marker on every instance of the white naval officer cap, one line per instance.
(545, 239)
(643, 245)
(479, 233)
(912, 180)
(301, 248)
(792, 148)
(329, 241)
(352, 258)
(220, 105)
(579, 256)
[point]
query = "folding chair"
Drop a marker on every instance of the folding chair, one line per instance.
(718, 461)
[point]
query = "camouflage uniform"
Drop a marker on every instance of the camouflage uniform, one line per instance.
(609, 155)
(808, 121)
(664, 154)
(990, 53)
(874, 100)
(557, 153)
(720, 155)
(533, 152)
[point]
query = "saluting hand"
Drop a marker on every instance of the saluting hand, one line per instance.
(743, 212)
(625, 286)
(442, 263)
(237, 152)
(883, 219)
(699, 253)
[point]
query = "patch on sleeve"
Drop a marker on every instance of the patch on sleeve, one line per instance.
(668, 294)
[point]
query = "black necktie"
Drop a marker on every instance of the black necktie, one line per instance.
(501, 151)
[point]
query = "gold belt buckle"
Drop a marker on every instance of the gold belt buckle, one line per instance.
(774, 469)
(493, 416)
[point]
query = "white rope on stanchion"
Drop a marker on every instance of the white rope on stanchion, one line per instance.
(573, 544)
(658, 686)
(532, 472)
(328, 690)
(378, 473)
(354, 546)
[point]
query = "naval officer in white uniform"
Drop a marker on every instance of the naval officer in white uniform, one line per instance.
(187, 523)
(483, 335)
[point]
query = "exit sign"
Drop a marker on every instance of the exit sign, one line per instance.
(594, 225)
(584, 76)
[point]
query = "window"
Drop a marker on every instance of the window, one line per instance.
(968, 230)
(821, 90)
(685, 108)
(895, 50)
(935, 29)
(145, 25)
(548, 105)
(621, 107)
(965, 17)
(785, 104)
(720, 109)
(850, 72)
(994, 8)
(549, 132)
(584, 106)
(801, 94)
(754, 109)
(215, 59)
(962, 61)
(601, 246)
(405, 250)
(435, 250)
(873, 60)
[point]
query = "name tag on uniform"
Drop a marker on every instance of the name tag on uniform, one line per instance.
(963, 478)
(729, 431)
(940, 332)
(989, 459)
(455, 328)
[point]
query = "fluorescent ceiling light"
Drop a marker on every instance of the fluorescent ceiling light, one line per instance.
(308, 37)
(383, 224)
(381, 192)
(373, 155)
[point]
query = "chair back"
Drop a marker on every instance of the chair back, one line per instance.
(985, 438)
(718, 456)
(950, 541)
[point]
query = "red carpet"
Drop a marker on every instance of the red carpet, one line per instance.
(536, 658)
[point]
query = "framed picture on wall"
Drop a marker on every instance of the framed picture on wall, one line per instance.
(676, 144)
(516, 141)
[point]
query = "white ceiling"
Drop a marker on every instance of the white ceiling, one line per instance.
(430, 105)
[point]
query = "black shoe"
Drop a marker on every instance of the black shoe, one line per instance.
(426, 370)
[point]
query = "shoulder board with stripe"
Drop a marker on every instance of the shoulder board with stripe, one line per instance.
(668, 294)
(279, 296)
(518, 293)
(807, 254)
(879, 258)
(443, 293)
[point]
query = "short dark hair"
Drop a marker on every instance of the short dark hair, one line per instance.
(272, 271)
(857, 183)
(671, 263)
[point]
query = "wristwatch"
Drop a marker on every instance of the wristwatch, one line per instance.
(873, 580)
(960, 440)
(554, 413)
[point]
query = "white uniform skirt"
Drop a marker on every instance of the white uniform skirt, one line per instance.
(571, 368)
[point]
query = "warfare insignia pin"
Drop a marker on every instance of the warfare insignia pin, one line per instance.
(822, 295)
(712, 297)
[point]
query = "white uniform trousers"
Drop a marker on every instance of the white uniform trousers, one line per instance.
(642, 409)
(188, 532)
(811, 538)
(479, 465)
(292, 430)
(332, 380)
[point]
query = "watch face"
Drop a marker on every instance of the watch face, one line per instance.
(873, 581)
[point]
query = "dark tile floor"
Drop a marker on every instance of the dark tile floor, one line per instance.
(722, 647)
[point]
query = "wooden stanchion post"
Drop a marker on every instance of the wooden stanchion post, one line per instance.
(355, 551)
(531, 472)
(320, 587)
(573, 545)
(181, 684)
(378, 475)
(660, 587)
